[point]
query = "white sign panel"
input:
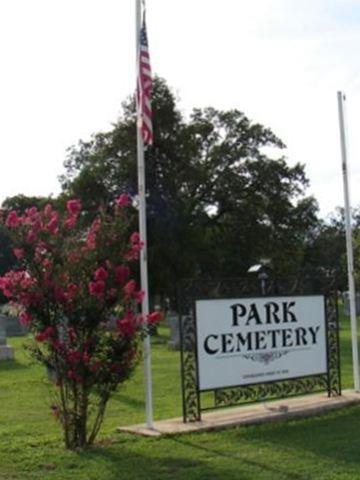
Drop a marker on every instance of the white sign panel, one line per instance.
(256, 340)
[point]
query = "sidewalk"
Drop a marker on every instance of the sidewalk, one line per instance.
(250, 414)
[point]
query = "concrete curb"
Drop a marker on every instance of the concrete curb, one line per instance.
(253, 414)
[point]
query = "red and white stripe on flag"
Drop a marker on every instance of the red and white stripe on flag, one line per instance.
(144, 88)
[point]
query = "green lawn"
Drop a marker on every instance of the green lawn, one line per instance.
(326, 447)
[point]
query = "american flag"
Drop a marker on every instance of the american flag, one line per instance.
(144, 88)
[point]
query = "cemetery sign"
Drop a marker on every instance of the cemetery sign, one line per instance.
(263, 339)
(243, 346)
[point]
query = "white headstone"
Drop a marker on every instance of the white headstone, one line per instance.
(6, 351)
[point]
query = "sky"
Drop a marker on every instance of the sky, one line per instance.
(66, 66)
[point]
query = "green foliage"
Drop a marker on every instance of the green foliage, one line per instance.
(21, 202)
(216, 202)
(326, 247)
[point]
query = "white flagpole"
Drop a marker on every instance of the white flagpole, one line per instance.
(349, 246)
(143, 236)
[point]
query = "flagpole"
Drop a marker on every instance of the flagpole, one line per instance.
(349, 245)
(143, 236)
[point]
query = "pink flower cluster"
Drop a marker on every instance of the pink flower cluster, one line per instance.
(46, 334)
(129, 324)
(48, 220)
(74, 208)
(19, 285)
(136, 245)
(124, 200)
(122, 273)
(25, 318)
(68, 280)
(92, 234)
(98, 285)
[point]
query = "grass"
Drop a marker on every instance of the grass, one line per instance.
(325, 447)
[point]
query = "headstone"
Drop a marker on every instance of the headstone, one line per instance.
(346, 299)
(111, 323)
(13, 326)
(6, 351)
(173, 321)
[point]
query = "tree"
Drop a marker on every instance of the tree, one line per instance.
(326, 249)
(21, 202)
(216, 201)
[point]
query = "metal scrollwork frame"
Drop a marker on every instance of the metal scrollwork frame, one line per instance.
(226, 397)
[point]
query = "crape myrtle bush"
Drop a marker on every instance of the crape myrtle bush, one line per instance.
(70, 280)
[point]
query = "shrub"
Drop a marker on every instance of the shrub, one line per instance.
(69, 282)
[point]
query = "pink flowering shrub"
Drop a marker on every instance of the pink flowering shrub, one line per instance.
(69, 282)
